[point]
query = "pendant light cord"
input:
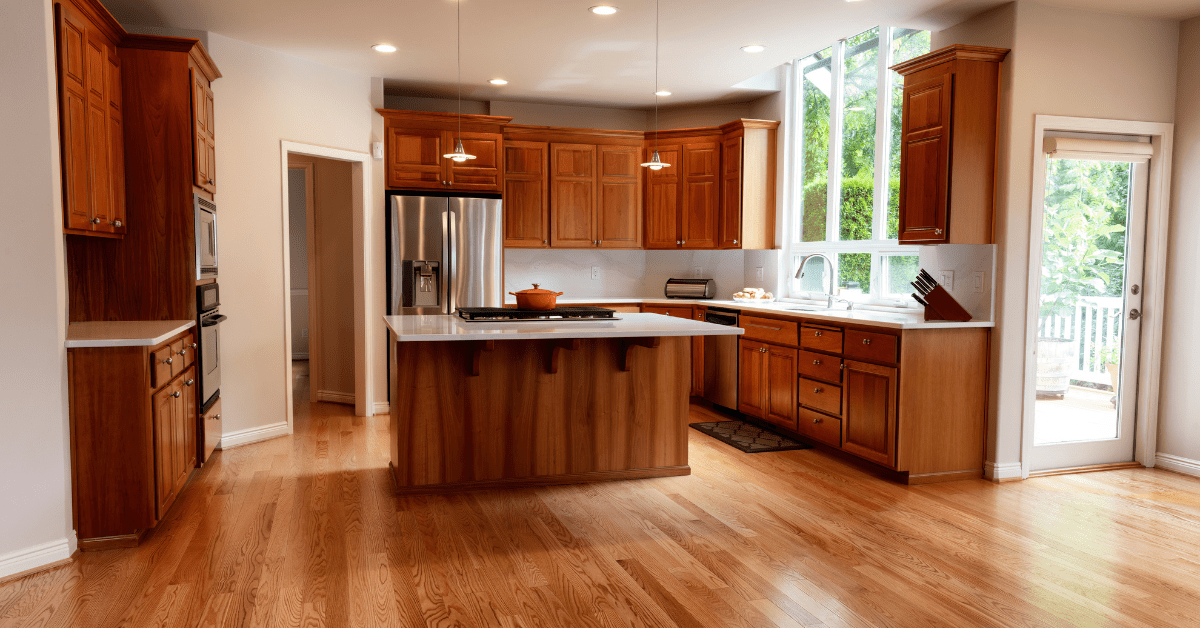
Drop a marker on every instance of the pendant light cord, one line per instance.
(656, 14)
(458, 7)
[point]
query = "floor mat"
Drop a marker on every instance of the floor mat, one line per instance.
(748, 438)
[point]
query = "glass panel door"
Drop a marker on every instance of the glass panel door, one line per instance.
(1093, 235)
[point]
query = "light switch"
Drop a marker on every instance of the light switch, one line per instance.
(977, 279)
(758, 275)
(377, 150)
(697, 272)
(947, 281)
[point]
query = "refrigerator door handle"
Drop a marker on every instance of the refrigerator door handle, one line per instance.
(447, 269)
(452, 276)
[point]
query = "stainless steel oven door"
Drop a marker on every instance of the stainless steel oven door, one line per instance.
(210, 354)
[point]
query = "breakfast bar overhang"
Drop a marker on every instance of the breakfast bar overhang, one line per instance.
(491, 404)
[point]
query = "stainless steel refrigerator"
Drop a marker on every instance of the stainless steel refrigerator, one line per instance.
(444, 252)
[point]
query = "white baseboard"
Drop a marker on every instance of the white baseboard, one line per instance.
(254, 435)
(382, 407)
(1178, 464)
(1001, 472)
(34, 557)
(335, 397)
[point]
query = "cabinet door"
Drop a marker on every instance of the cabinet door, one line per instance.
(698, 357)
(729, 223)
(415, 159)
(662, 200)
(99, 155)
(619, 203)
(781, 379)
(526, 195)
(701, 195)
(72, 38)
(573, 195)
(869, 412)
(482, 174)
(925, 160)
(164, 404)
(116, 149)
(752, 378)
(202, 148)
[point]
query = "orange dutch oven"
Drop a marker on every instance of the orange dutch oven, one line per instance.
(536, 299)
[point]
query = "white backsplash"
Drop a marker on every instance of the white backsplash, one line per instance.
(973, 267)
(770, 262)
(631, 274)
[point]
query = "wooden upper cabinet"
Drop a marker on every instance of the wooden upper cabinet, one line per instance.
(869, 412)
(701, 194)
(526, 194)
(662, 199)
(619, 203)
(416, 142)
(573, 195)
(729, 222)
(948, 145)
(747, 206)
(204, 135)
(91, 131)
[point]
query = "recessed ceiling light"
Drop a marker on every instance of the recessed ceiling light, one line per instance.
(603, 9)
(662, 93)
(498, 82)
(753, 48)
(383, 48)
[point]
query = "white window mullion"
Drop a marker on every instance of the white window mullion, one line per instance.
(836, 104)
(883, 134)
(796, 197)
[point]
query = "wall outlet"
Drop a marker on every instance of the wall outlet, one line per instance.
(304, 332)
(977, 280)
(758, 276)
(697, 272)
(595, 272)
(947, 281)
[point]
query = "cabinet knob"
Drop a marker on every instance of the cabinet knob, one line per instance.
(679, 242)
(182, 351)
(735, 241)
(842, 366)
(817, 390)
(683, 242)
(762, 350)
(211, 182)
(545, 242)
(217, 417)
(189, 382)
(866, 341)
(175, 394)
(816, 333)
(169, 361)
(817, 420)
(937, 232)
(95, 221)
(194, 345)
(817, 362)
(117, 223)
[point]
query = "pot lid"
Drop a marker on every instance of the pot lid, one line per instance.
(536, 290)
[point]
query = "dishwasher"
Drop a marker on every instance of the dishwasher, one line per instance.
(721, 360)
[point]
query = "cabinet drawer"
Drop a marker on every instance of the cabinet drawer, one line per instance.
(177, 357)
(821, 338)
(820, 366)
(769, 330)
(821, 427)
(160, 365)
(186, 356)
(865, 345)
(822, 396)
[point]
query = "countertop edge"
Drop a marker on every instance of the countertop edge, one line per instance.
(583, 333)
(128, 341)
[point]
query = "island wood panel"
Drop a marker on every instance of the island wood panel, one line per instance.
(515, 421)
(151, 273)
(943, 403)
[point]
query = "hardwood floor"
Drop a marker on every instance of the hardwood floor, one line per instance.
(307, 531)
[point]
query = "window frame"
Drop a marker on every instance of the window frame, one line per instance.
(879, 246)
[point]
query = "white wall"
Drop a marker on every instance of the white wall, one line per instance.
(35, 490)
(570, 116)
(263, 98)
(1179, 402)
(1065, 62)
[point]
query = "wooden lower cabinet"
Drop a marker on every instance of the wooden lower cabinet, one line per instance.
(767, 382)
(133, 439)
(869, 412)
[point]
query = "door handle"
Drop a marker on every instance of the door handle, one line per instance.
(1135, 314)
(762, 326)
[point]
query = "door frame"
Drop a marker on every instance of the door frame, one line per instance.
(360, 186)
(1154, 274)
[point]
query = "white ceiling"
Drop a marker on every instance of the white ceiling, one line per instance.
(557, 51)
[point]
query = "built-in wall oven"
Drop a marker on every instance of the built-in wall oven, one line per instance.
(208, 306)
(206, 237)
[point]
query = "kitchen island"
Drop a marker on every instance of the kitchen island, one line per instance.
(490, 404)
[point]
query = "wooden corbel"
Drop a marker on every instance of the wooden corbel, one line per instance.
(570, 344)
(477, 354)
(630, 343)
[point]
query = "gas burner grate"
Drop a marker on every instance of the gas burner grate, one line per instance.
(511, 314)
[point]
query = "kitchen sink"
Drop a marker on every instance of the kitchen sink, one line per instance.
(806, 308)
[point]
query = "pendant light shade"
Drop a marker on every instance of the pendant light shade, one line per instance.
(656, 162)
(459, 155)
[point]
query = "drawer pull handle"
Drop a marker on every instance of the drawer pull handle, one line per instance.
(763, 326)
(817, 390)
(189, 382)
(816, 333)
(866, 341)
(762, 350)
(817, 420)
(817, 362)
(175, 394)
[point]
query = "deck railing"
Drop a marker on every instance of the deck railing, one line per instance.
(1095, 325)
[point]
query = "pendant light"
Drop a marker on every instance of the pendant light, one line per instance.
(655, 162)
(459, 154)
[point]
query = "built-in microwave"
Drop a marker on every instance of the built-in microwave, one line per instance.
(206, 237)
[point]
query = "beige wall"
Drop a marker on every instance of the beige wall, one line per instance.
(330, 277)
(1179, 401)
(266, 97)
(35, 490)
(1065, 62)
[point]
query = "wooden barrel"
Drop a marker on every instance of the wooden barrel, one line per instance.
(1056, 361)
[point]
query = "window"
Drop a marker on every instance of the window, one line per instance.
(847, 147)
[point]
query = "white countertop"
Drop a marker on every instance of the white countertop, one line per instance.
(893, 320)
(443, 327)
(123, 333)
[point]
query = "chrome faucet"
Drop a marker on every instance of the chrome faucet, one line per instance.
(832, 280)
